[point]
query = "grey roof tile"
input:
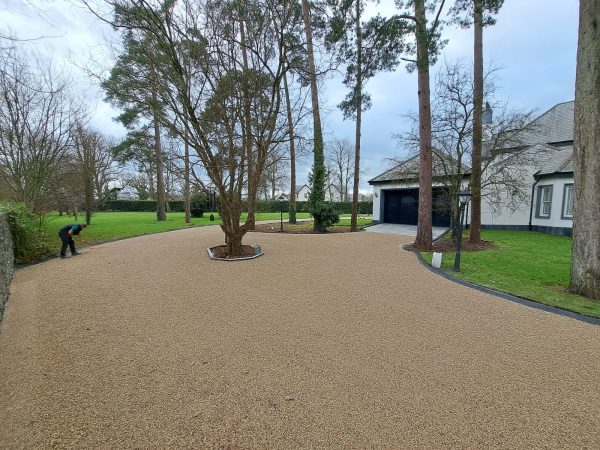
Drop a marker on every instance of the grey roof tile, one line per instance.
(555, 125)
(561, 162)
(409, 170)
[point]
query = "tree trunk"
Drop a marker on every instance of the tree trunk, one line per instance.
(230, 212)
(89, 205)
(475, 235)
(354, 217)
(160, 182)
(250, 220)
(423, 240)
(186, 180)
(317, 194)
(585, 267)
(292, 213)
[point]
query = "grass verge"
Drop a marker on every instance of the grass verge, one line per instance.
(109, 226)
(531, 265)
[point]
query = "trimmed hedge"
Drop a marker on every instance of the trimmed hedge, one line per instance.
(262, 206)
(338, 207)
(140, 206)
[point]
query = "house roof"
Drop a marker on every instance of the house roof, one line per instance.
(552, 127)
(409, 170)
(561, 162)
(300, 186)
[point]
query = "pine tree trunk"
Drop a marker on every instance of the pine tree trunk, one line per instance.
(160, 182)
(317, 194)
(292, 213)
(475, 235)
(423, 240)
(354, 217)
(585, 267)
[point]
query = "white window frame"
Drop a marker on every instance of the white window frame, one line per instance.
(544, 208)
(568, 195)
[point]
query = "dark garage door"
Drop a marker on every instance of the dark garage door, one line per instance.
(402, 206)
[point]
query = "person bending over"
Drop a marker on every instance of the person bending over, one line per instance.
(66, 236)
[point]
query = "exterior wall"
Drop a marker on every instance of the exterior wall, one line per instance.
(302, 194)
(7, 260)
(556, 219)
(492, 214)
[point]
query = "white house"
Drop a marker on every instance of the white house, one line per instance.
(545, 200)
(302, 193)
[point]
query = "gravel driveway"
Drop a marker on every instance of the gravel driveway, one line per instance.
(326, 341)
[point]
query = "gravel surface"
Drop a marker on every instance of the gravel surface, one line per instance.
(325, 341)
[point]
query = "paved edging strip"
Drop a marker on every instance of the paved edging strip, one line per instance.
(509, 297)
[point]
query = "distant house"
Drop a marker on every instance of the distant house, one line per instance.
(302, 193)
(546, 200)
(333, 194)
(127, 193)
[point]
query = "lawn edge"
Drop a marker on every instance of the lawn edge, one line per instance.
(506, 296)
(108, 241)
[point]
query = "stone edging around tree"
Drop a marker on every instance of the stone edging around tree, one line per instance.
(257, 249)
(504, 295)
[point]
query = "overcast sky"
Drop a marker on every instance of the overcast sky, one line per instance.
(534, 43)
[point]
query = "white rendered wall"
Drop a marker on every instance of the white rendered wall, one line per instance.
(558, 189)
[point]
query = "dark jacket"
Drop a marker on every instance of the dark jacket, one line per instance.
(64, 231)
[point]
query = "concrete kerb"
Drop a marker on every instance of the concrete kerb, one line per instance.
(504, 295)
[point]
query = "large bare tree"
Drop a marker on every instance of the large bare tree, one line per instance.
(38, 118)
(94, 165)
(504, 173)
(585, 268)
(341, 170)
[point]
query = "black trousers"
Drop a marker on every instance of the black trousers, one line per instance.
(67, 240)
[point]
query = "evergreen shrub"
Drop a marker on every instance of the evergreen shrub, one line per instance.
(28, 238)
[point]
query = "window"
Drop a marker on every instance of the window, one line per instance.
(544, 202)
(568, 202)
(306, 195)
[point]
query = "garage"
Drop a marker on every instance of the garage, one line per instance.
(402, 206)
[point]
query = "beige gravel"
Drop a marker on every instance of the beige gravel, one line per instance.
(326, 341)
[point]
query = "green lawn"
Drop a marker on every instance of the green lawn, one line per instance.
(532, 265)
(108, 226)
